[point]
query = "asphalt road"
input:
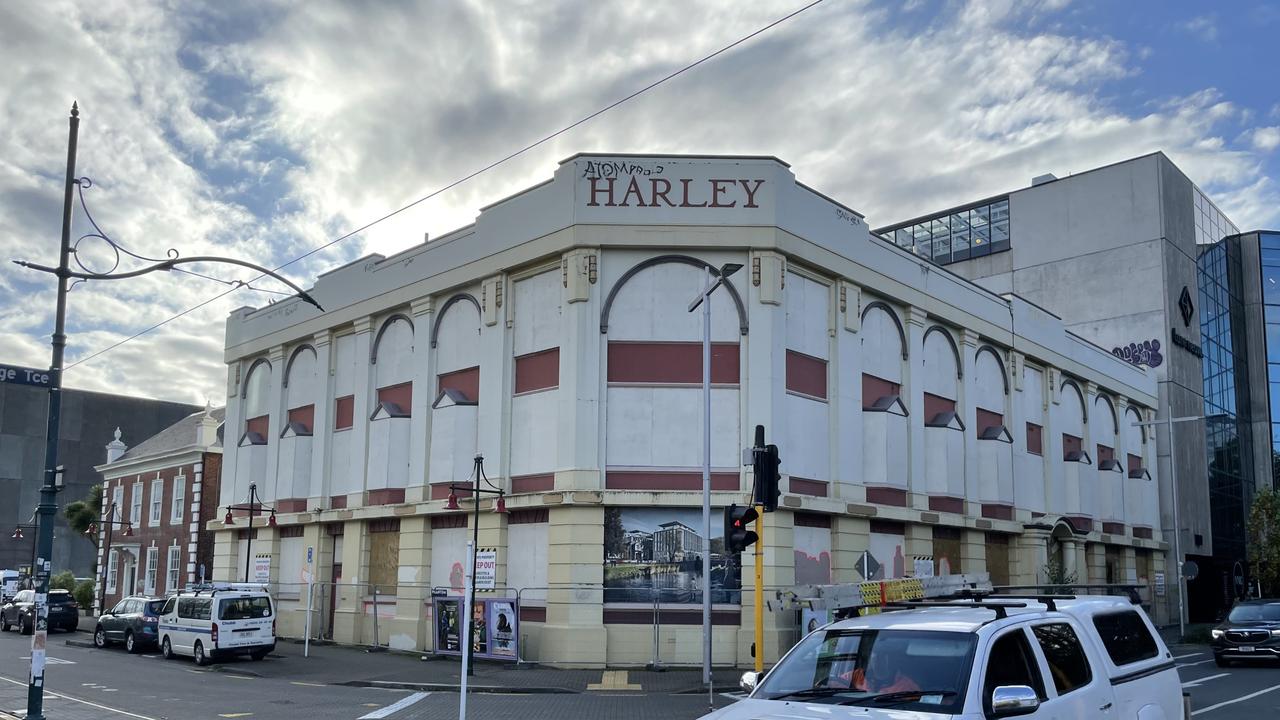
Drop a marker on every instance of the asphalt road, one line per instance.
(1245, 690)
(147, 687)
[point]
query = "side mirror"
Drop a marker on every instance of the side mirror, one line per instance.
(1011, 700)
(749, 681)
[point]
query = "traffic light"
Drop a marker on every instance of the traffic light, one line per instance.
(766, 477)
(736, 521)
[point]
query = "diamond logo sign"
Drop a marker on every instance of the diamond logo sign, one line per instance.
(1185, 307)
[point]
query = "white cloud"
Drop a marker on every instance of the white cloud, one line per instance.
(1264, 139)
(1204, 27)
(258, 130)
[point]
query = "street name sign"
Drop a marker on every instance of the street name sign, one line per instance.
(16, 375)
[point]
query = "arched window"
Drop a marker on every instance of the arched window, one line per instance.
(255, 399)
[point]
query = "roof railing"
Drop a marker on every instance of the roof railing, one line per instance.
(1001, 609)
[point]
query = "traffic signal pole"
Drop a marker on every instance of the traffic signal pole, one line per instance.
(759, 645)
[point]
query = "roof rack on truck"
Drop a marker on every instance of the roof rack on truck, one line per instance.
(851, 599)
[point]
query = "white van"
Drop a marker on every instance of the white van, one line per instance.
(208, 623)
(8, 585)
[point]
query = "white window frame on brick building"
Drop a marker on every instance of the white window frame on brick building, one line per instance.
(156, 515)
(174, 568)
(113, 568)
(117, 499)
(179, 498)
(153, 562)
(135, 503)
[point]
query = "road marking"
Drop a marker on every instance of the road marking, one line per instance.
(51, 660)
(234, 715)
(92, 704)
(1197, 681)
(238, 677)
(1182, 657)
(1199, 662)
(305, 684)
(394, 708)
(614, 680)
(1233, 702)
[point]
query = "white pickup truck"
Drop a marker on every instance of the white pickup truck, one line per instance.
(1040, 658)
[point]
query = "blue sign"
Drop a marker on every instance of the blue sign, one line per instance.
(15, 375)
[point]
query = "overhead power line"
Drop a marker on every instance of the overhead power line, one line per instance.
(465, 178)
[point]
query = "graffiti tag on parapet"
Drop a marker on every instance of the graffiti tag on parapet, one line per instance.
(848, 217)
(1144, 353)
(615, 168)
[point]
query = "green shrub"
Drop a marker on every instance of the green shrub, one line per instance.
(84, 594)
(63, 581)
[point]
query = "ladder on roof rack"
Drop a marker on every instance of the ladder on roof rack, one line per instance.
(846, 599)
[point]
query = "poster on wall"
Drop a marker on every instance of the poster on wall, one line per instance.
(658, 552)
(811, 620)
(262, 568)
(486, 569)
(494, 627)
(812, 555)
(886, 561)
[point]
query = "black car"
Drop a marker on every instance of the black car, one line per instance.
(20, 612)
(133, 621)
(1251, 630)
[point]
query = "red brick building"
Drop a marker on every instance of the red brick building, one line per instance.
(166, 489)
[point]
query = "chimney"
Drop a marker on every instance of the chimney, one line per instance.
(115, 448)
(207, 427)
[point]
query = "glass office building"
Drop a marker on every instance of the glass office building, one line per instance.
(955, 235)
(1269, 257)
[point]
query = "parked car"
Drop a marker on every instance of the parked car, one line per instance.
(228, 619)
(1251, 630)
(63, 612)
(134, 621)
(1101, 658)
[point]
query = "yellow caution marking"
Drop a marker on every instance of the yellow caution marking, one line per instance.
(613, 680)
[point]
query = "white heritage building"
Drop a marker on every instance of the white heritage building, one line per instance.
(921, 419)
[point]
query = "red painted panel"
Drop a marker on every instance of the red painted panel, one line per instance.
(811, 520)
(533, 483)
(943, 503)
(874, 388)
(996, 511)
(384, 525)
(292, 505)
(670, 616)
(987, 419)
(1105, 453)
(806, 374)
(445, 522)
(344, 412)
(528, 613)
(659, 480)
(401, 395)
(260, 425)
(338, 502)
(1035, 439)
(440, 491)
(1113, 528)
(1135, 463)
(887, 496)
(1081, 523)
(888, 527)
(814, 488)
(305, 416)
(528, 517)
(386, 496)
(538, 371)
(671, 362)
(465, 381)
(1142, 532)
(291, 531)
(1070, 444)
(934, 404)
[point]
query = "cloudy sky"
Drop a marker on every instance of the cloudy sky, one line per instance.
(263, 128)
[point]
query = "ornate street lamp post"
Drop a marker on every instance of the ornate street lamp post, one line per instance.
(253, 506)
(17, 535)
(49, 491)
(108, 521)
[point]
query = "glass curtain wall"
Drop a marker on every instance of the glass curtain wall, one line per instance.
(1269, 250)
(956, 235)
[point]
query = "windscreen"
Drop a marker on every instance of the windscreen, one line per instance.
(1269, 612)
(245, 608)
(155, 606)
(61, 599)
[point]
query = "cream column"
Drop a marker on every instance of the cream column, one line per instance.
(1090, 487)
(409, 629)
(349, 619)
(851, 536)
(423, 312)
(580, 397)
(233, 423)
(966, 406)
(1031, 549)
(913, 395)
(779, 572)
(268, 489)
(1016, 423)
(973, 551)
(1050, 438)
(322, 426)
(1096, 561)
(496, 377)
(574, 632)
(363, 407)
(847, 445)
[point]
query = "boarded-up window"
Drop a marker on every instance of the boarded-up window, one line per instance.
(998, 558)
(1105, 453)
(344, 412)
(946, 551)
(1035, 439)
(538, 371)
(874, 388)
(1135, 464)
(1070, 444)
(806, 375)
(1142, 560)
(673, 363)
(384, 554)
(304, 416)
(465, 381)
(399, 395)
(1115, 564)
(988, 419)
(260, 425)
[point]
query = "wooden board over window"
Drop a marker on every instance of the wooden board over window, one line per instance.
(384, 561)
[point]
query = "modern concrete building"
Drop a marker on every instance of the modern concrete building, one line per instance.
(1136, 258)
(88, 421)
(166, 489)
(921, 418)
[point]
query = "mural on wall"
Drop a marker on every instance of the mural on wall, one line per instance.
(1143, 353)
(658, 551)
(812, 555)
(885, 559)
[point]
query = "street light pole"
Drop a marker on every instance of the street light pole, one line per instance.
(714, 280)
(109, 522)
(254, 505)
(48, 507)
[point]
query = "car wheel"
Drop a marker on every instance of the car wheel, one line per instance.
(25, 627)
(129, 644)
(258, 655)
(201, 658)
(1221, 661)
(4, 624)
(99, 637)
(166, 650)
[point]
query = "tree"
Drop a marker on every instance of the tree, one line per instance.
(63, 581)
(83, 513)
(1264, 540)
(613, 533)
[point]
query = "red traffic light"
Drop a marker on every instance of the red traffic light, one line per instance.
(736, 535)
